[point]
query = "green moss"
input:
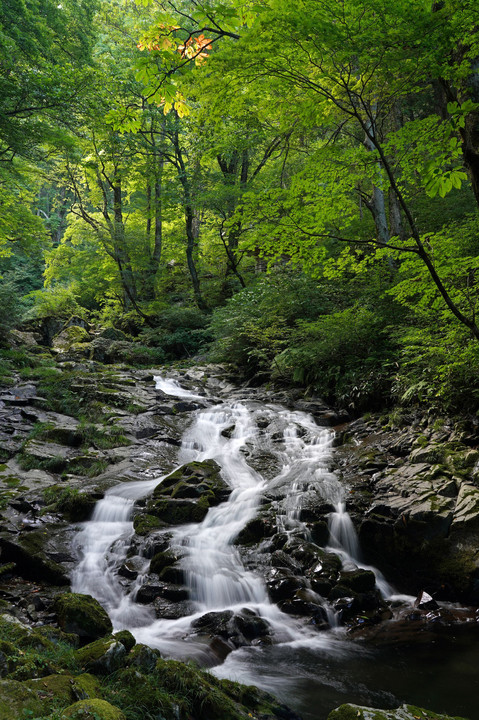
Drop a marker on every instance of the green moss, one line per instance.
(75, 505)
(82, 615)
(31, 462)
(145, 524)
(92, 709)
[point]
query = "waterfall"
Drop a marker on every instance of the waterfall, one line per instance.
(215, 575)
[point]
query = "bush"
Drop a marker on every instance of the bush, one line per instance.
(58, 301)
(438, 366)
(10, 309)
(256, 324)
(344, 356)
(181, 332)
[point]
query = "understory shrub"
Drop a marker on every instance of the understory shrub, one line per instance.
(344, 356)
(180, 332)
(256, 324)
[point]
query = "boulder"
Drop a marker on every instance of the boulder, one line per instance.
(92, 709)
(82, 615)
(103, 656)
(69, 336)
(405, 712)
(27, 551)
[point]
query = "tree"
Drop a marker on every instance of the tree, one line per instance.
(356, 65)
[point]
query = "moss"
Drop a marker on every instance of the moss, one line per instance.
(82, 615)
(160, 561)
(144, 524)
(92, 709)
(201, 694)
(70, 502)
(150, 697)
(54, 464)
(86, 686)
(16, 698)
(126, 639)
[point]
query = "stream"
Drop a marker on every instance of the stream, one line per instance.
(312, 671)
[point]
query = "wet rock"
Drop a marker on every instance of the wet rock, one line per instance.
(172, 610)
(148, 592)
(424, 601)
(103, 656)
(405, 712)
(283, 588)
(320, 533)
(162, 560)
(172, 574)
(27, 551)
(214, 623)
(254, 531)
(82, 615)
(179, 511)
(359, 581)
(145, 523)
(238, 629)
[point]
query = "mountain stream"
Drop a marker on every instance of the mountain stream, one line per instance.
(312, 671)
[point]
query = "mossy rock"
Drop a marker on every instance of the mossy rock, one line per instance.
(126, 638)
(145, 524)
(22, 636)
(86, 686)
(405, 712)
(179, 512)
(162, 560)
(37, 697)
(193, 480)
(143, 657)
(16, 698)
(92, 709)
(32, 562)
(82, 615)
(102, 657)
(68, 336)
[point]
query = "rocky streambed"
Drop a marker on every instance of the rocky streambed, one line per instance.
(259, 533)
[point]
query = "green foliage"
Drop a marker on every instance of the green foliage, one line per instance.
(10, 308)
(344, 356)
(58, 301)
(439, 366)
(180, 332)
(256, 324)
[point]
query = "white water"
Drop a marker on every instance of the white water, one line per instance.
(216, 577)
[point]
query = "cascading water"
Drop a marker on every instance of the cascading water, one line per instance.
(216, 577)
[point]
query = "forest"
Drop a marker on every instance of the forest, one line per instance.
(292, 190)
(263, 212)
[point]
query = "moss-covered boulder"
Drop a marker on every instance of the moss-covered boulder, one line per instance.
(15, 698)
(405, 712)
(82, 615)
(103, 656)
(36, 697)
(144, 524)
(69, 336)
(126, 638)
(143, 658)
(194, 480)
(32, 562)
(93, 709)
(186, 494)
